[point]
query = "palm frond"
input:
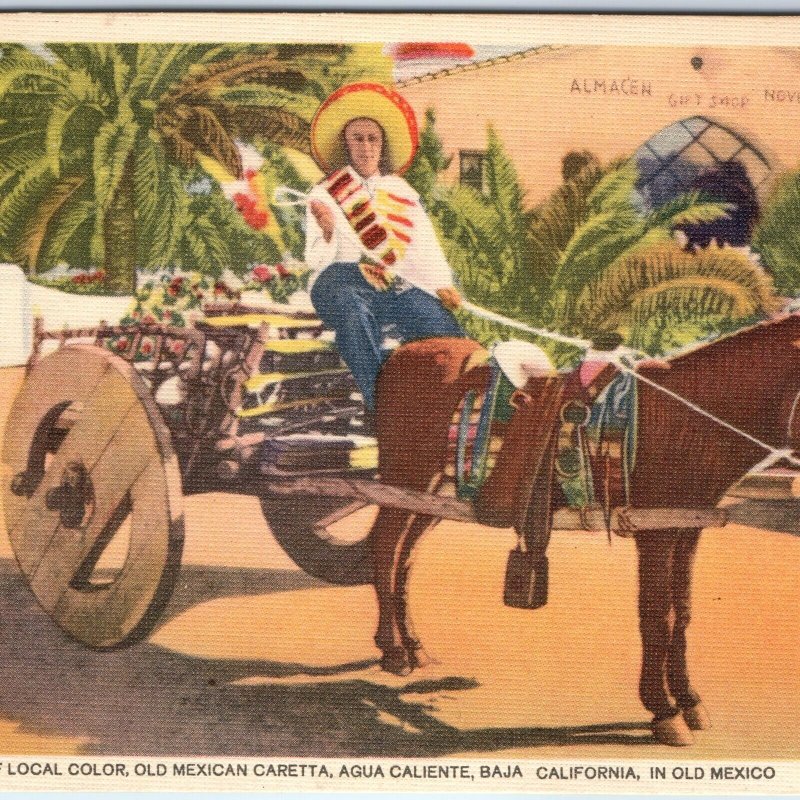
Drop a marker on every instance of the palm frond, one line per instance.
(638, 274)
(89, 57)
(29, 242)
(479, 221)
(693, 297)
(24, 65)
(687, 209)
(615, 188)
(276, 125)
(777, 234)
(153, 61)
(161, 199)
(60, 116)
(596, 243)
(65, 226)
(253, 94)
(266, 68)
(148, 175)
(22, 201)
(168, 69)
(504, 187)
(11, 143)
(208, 249)
(201, 126)
(112, 147)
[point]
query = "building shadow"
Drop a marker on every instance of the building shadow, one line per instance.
(149, 701)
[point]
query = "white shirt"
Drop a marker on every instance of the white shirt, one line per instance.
(424, 264)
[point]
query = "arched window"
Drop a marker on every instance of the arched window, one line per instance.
(697, 154)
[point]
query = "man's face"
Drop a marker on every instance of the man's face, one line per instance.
(364, 141)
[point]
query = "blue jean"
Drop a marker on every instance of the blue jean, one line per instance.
(357, 313)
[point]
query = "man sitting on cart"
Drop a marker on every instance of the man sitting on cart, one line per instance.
(373, 251)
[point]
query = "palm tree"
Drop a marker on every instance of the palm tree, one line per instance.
(777, 234)
(588, 259)
(94, 140)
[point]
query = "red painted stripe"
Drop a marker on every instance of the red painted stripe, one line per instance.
(402, 220)
(358, 208)
(339, 183)
(401, 236)
(373, 236)
(403, 200)
(362, 223)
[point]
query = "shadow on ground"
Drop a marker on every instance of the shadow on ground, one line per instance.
(147, 700)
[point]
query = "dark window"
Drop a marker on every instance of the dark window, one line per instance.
(671, 161)
(472, 168)
(697, 154)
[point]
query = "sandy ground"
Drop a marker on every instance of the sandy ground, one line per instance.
(253, 657)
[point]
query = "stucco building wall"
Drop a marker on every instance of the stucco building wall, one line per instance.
(612, 99)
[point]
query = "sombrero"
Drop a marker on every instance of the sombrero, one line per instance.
(372, 100)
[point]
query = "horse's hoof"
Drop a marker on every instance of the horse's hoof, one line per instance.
(697, 717)
(396, 660)
(673, 731)
(418, 656)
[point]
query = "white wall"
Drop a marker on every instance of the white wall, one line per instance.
(20, 301)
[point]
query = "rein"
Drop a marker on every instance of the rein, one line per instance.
(283, 196)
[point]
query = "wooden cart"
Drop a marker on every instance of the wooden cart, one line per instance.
(116, 424)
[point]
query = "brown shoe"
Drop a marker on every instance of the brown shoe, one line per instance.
(697, 717)
(673, 731)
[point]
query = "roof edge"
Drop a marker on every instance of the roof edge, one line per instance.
(474, 65)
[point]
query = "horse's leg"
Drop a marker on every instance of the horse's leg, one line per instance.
(389, 533)
(656, 556)
(677, 669)
(416, 653)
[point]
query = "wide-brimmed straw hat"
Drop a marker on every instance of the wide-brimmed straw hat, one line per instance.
(373, 101)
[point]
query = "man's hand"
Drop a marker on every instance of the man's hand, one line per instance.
(324, 217)
(449, 297)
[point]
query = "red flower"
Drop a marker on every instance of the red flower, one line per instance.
(258, 219)
(177, 346)
(167, 314)
(249, 174)
(262, 273)
(244, 202)
(147, 347)
(122, 343)
(282, 271)
(149, 319)
(172, 290)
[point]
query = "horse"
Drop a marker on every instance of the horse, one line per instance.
(749, 378)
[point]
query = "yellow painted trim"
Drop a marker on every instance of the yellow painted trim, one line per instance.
(269, 408)
(257, 382)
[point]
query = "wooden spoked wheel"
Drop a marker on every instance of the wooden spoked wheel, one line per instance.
(92, 496)
(326, 537)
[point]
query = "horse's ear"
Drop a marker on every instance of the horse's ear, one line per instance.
(477, 358)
